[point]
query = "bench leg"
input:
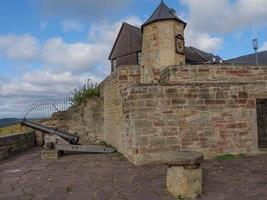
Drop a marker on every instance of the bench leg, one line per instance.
(183, 182)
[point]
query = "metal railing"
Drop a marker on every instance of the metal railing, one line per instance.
(43, 109)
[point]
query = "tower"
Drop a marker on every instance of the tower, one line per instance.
(163, 42)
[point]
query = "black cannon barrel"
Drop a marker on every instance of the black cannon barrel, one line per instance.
(71, 138)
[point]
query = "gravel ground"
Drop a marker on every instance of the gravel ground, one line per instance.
(112, 177)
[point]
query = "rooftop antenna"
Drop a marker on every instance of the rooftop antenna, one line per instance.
(256, 47)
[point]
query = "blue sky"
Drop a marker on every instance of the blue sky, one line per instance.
(49, 47)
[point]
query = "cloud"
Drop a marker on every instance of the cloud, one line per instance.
(75, 57)
(41, 83)
(3, 79)
(17, 94)
(88, 56)
(263, 47)
(91, 10)
(210, 18)
(203, 41)
(58, 55)
(65, 67)
(72, 25)
(107, 32)
(223, 16)
(19, 47)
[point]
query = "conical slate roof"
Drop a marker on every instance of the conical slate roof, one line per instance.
(162, 13)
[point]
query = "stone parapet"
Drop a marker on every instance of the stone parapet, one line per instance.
(213, 73)
(13, 144)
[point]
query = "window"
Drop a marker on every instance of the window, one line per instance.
(139, 56)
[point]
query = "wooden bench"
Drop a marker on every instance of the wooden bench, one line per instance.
(184, 175)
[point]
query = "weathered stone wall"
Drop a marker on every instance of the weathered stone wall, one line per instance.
(114, 120)
(211, 109)
(86, 120)
(13, 144)
(158, 49)
(212, 118)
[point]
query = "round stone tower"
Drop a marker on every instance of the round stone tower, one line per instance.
(163, 43)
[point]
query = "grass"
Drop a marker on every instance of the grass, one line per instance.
(82, 94)
(229, 156)
(14, 129)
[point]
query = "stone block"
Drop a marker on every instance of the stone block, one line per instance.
(184, 183)
(49, 154)
(243, 95)
(143, 123)
(123, 78)
(12, 144)
(151, 103)
(142, 141)
(39, 138)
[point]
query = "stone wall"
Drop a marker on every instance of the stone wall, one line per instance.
(13, 144)
(214, 114)
(211, 73)
(210, 109)
(210, 118)
(111, 89)
(86, 120)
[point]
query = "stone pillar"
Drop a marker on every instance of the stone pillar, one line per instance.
(184, 175)
(39, 138)
(184, 182)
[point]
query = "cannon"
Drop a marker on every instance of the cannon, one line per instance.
(63, 141)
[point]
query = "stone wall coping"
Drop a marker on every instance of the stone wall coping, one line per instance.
(218, 66)
(115, 73)
(196, 83)
(182, 158)
(16, 134)
(212, 83)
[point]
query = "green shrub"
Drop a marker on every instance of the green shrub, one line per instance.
(87, 91)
